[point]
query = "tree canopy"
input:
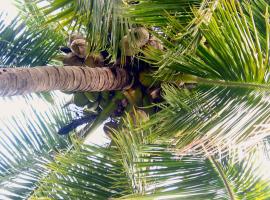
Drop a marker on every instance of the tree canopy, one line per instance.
(193, 125)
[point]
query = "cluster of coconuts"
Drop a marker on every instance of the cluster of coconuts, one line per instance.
(137, 38)
(77, 55)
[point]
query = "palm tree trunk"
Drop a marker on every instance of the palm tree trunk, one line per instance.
(15, 81)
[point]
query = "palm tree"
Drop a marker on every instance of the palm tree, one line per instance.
(207, 142)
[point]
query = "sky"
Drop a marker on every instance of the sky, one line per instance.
(9, 9)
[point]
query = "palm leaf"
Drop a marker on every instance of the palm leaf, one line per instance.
(157, 172)
(137, 169)
(221, 119)
(86, 172)
(202, 179)
(154, 13)
(247, 179)
(89, 172)
(27, 45)
(235, 53)
(27, 143)
(235, 46)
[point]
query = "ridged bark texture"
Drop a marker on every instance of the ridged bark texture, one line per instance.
(16, 81)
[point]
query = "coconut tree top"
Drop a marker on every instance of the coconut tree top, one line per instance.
(196, 95)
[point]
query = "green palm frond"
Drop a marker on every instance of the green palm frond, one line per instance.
(235, 46)
(134, 168)
(137, 169)
(247, 179)
(259, 9)
(221, 119)
(155, 172)
(154, 13)
(160, 172)
(27, 45)
(86, 172)
(28, 141)
(168, 176)
(234, 64)
(195, 178)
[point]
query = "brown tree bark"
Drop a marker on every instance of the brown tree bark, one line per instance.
(16, 81)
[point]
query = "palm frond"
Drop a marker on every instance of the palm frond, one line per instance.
(235, 47)
(222, 120)
(235, 52)
(159, 172)
(28, 141)
(137, 169)
(86, 172)
(27, 45)
(154, 13)
(202, 179)
(247, 179)
(134, 168)
(155, 172)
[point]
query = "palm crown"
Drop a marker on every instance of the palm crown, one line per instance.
(207, 139)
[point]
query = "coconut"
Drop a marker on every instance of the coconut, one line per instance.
(141, 35)
(73, 37)
(130, 44)
(78, 47)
